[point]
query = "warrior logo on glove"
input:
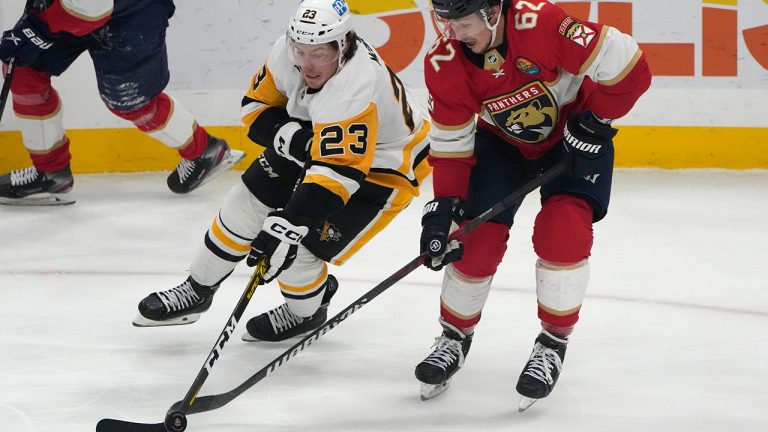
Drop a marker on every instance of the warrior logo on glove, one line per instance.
(442, 216)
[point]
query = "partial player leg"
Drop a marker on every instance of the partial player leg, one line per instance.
(563, 239)
(466, 285)
(49, 180)
(540, 373)
(225, 244)
(435, 371)
(182, 304)
(306, 285)
(203, 155)
(282, 323)
(131, 63)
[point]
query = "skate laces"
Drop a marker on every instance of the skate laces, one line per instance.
(180, 297)
(23, 176)
(185, 168)
(282, 319)
(448, 351)
(541, 363)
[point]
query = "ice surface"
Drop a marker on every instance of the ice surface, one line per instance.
(672, 335)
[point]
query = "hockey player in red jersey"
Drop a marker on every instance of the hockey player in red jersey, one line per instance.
(126, 41)
(515, 87)
(345, 154)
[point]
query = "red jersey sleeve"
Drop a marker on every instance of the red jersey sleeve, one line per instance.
(610, 59)
(76, 17)
(452, 110)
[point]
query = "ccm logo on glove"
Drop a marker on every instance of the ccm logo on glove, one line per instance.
(286, 232)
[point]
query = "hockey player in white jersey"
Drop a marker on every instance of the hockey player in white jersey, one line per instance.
(345, 153)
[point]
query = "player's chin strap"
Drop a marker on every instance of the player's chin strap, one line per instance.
(487, 18)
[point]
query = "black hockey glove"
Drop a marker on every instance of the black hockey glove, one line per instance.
(278, 242)
(292, 140)
(442, 216)
(586, 140)
(29, 38)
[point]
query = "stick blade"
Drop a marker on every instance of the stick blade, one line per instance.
(112, 425)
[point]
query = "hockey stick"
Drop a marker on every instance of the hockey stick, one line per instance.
(7, 85)
(9, 72)
(176, 418)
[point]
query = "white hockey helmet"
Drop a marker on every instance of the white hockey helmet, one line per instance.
(321, 21)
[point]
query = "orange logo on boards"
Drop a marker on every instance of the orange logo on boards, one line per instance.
(718, 51)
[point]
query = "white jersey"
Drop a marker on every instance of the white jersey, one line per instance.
(361, 119)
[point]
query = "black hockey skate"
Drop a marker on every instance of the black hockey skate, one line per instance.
(179, 305)
(28, 187)
(542, 370)
(191, 174)
(435, 371)
(280, 323)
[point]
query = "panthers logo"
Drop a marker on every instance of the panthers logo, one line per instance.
(531, 120)
(527, 115)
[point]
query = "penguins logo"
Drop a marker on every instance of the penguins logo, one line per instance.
(329, 232)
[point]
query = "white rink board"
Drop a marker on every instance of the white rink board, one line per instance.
(215, 49)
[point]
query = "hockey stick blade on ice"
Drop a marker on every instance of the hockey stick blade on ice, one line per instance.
(212, 402)
(176, 419)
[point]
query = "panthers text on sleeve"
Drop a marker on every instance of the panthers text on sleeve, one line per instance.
(550, 67)
(363, 126)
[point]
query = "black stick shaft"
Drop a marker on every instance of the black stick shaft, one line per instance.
(7, 85)
(224, 337)
(212, 402)
(9, 72)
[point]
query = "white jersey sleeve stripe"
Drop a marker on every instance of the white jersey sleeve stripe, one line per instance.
(88, 10)
(613, 58)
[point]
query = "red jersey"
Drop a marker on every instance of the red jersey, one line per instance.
(549, 68)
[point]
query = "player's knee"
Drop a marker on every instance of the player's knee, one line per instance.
(33, 95)
(243, 213)
(147, 115)
(563, 230)
(483, 250)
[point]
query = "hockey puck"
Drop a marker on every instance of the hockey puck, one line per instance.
(175, 421)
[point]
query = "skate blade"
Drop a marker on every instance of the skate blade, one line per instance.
(229, 160)
(141, 321)
(430, 391)
(246, 337)
(525, 403)
(39, 200)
